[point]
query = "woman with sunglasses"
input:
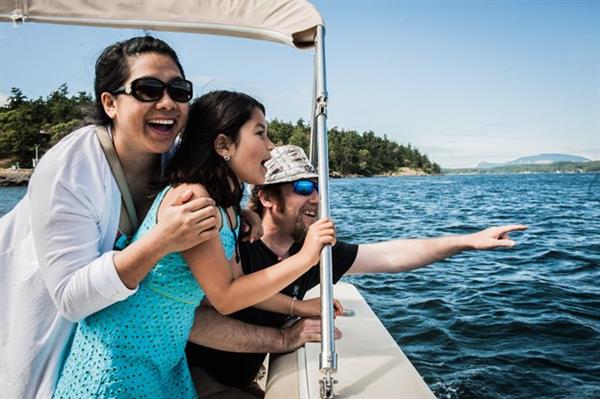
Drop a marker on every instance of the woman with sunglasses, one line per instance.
(57, 246)
(135, 348)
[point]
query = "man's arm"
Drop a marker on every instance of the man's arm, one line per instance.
(405, 255)
(216, 331)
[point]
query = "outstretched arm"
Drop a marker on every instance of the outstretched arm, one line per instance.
(224, 333)
(404, 255)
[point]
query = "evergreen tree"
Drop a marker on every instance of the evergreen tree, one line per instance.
(22, 121)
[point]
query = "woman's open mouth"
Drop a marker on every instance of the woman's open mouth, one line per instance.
(162, 126)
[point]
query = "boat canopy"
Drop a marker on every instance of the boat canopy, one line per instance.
(292, 22)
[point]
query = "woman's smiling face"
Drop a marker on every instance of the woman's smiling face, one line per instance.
(147, 127)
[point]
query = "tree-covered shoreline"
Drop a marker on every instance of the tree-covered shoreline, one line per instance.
(351, 153)
(556, 167)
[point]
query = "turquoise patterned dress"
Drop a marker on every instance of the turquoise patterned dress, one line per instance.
(135, 348)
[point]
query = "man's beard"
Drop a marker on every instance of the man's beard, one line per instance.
(300, 228)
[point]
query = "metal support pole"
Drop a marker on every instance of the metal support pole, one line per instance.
(327, 357)
(312, 150)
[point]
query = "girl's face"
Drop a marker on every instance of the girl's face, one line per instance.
(252, 150)
(147, 127)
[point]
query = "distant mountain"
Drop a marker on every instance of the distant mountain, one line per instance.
(540, 159)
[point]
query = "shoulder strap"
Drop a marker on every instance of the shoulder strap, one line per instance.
(128, 222)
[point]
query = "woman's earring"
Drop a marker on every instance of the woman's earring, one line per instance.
(226, 157)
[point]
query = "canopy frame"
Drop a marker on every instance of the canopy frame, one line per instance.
(319, 151)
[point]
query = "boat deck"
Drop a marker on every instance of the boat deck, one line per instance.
(370, 363)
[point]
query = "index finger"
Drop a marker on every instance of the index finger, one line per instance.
(512, 227)
(199, 203)
(183, 198)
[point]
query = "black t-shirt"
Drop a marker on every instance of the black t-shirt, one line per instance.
(239, 369)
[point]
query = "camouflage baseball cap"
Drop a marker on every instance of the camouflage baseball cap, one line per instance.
(288, 163)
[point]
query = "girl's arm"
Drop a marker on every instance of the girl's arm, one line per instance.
(281, 303)
(212, 270)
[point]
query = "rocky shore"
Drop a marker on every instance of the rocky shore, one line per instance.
(400, 172)
(20, 177)
(12, 178)
(404, 171)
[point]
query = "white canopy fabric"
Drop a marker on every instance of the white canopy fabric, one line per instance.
(292, 22)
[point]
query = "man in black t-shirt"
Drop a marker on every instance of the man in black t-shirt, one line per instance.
(240, 369)
(287, 204)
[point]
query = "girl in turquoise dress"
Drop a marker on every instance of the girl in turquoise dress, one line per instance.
(135, 348)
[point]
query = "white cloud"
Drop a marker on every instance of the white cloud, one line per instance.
(3, 99)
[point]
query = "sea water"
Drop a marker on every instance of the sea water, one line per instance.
(511, 323)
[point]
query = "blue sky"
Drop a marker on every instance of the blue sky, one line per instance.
(464, 81)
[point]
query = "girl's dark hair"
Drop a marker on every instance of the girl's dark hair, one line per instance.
(112, 67)
(196, 160)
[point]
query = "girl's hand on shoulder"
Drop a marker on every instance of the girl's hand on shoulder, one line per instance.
(187, 220)
(251, 227)
(320, 233)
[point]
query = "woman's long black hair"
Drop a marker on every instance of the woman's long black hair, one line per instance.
(196, 160)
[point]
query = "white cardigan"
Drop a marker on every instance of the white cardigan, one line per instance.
(56, 262)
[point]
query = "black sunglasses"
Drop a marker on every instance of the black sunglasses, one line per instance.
(151, 89)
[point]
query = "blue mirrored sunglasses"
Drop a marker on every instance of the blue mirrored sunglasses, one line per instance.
(305, 187)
